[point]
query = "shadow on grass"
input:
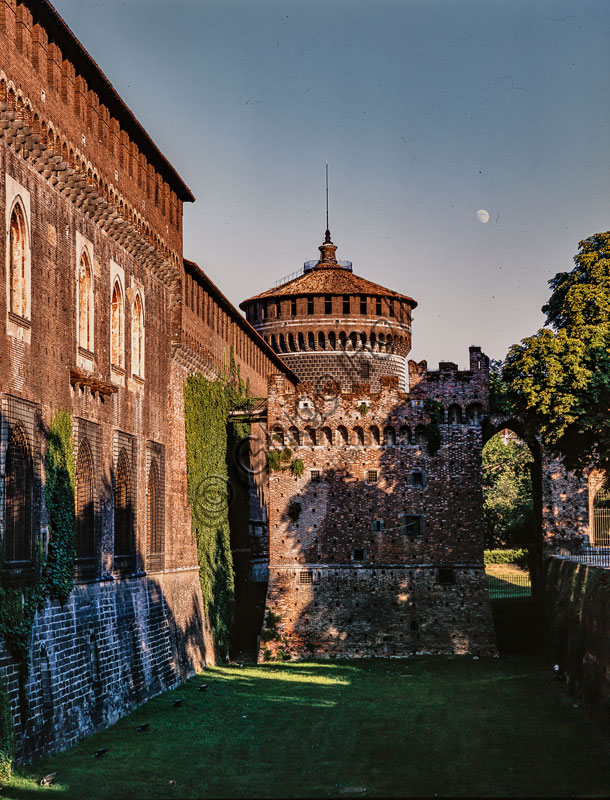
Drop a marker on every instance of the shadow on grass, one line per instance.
(449, 726)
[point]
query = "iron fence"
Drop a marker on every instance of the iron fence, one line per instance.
(595, 556)
(509, 585)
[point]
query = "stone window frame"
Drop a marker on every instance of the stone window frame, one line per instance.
(305, 577)
(117, 369)
(369, 479)
(359, 550)
(377, 526)
(85, 349)
(417, 521)
(315, 475)
(412, 482)
(138, 354)
(18, 325)
(155, 461)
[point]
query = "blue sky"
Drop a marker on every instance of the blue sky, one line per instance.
(427, 110)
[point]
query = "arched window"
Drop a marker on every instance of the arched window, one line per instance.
(310, 437)
(421, 435)
(124, 544)
(474, 413)
(454, 415)
(19, 251)
(342, 435)
(277, 436)
(137, 337)
(321, 341)
(342, 340)
(374, 434)
(389, 437)
(310, 341)
(358, 436)
(85, 499)
(301, 341)
(405, 435)
(154, 521)
(18, 539)
(293, 436)
(332, 340)
(85, 302)
(326, 436)
(117, 330)
(291, 344)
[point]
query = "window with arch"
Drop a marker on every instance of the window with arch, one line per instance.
(137, 337)
(85, 503)
(154, 518)
(19, 263)
(124, 538)
(358, 436)
(19, 482)
(85, 302)
(342, 435)
(117, 327)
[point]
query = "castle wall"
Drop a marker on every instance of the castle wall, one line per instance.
(100, 210)
(110, 647)
(376, 521)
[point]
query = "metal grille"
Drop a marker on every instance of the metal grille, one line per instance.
(509, 586)
(371, 476)
(601, 519)
(306, 576)
(85, 503)
(124, 502)
(155, 506)
(18, 544)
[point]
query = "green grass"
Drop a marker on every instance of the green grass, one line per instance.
(508, 581)
(447, 726)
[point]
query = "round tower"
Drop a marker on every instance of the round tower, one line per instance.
(329, 324)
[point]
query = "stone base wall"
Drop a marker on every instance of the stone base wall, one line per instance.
(578, 626)
(358, 612)
(112, 646)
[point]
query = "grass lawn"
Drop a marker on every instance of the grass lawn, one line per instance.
(507, 581)
(448, 726)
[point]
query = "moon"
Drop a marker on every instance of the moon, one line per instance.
(482, 215)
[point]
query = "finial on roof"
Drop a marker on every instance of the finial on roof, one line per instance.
(327, 250)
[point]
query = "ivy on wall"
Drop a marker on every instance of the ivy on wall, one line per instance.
(210, 441)
(18, 604)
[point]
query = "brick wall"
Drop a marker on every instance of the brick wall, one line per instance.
(379, 516)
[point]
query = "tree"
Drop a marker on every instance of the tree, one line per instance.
(559, 379)
(508, 511)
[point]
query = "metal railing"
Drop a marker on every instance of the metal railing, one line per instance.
(509, 586)
(586, 554)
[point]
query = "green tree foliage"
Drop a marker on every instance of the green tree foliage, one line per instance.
(507, 493)
(559, 379)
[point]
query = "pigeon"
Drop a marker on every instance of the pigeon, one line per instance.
(203, 687)
(177, 703)
(100, 753)
(49, 779)
(144, 727)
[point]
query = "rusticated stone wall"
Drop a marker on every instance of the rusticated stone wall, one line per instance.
(110, 647)
(377, 521)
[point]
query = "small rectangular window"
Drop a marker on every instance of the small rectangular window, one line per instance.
(372, 476)
(418, 480)
(346, 304)
(328, 304)
(377, 525)
(305, 576)
(363, 305)
(413, 524)
(358, 555)
(446, 576)
(293, 307)
(278, 308)
(264, 310)
(310, 305)
(314, 475)
(391, 308)
(378, 306)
